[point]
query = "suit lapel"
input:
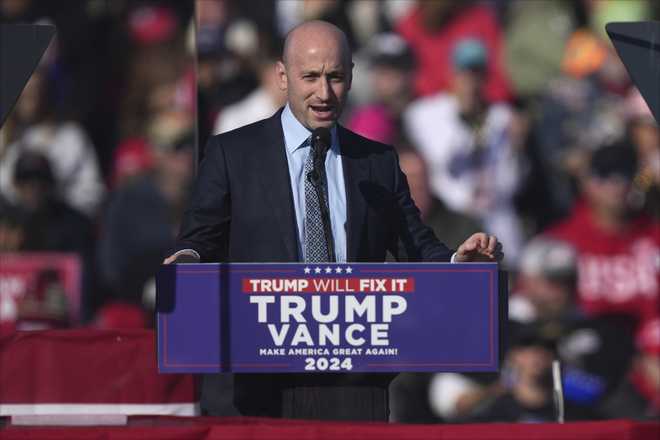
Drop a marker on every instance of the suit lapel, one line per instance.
(275, 181)
(356, 170)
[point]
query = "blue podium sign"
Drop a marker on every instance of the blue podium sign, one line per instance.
(359, 317)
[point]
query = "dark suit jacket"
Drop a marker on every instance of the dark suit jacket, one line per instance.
(242, 211)
(242, 206)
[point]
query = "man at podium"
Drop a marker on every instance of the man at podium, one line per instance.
(300, 187)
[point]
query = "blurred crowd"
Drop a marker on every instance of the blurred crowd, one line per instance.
(515, 117)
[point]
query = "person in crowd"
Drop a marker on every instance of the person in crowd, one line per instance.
(475, 165)
(433, 28)
(544, 291)
(141, 221)
(535, 36)
(159, 94)
(541, 308)
(390, 77)
(260, 103)
(449, 226)
(617, 251)
(12, 233)
(638, 396)
(579, 111)
(157, 107)
(35, 126)
(409, 391)
(594, 356)
(226, 45)
(290, 14)
(524, 390)
(594, 351)
(46, 223)
(132, 158)
(49, 223)
(545, 324)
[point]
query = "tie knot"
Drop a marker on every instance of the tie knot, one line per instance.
(304, 144)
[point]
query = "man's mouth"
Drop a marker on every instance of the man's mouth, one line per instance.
(323, 111)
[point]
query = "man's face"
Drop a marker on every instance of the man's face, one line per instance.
(316, 80)
(390, 84)
(468, 88)
(608, 194)
(32, 194)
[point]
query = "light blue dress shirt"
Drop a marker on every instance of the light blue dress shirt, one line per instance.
(295, 135)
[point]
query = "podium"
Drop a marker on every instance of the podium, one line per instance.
(323, 341)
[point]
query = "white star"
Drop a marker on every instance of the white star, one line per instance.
(338, 270)
(328, 269)
(317, 270)
(308, 270)
(349, 269)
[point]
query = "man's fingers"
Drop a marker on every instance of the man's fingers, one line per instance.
(476, 242)
(467, 246)
(492, 244)
(481, 247)
(482, 240)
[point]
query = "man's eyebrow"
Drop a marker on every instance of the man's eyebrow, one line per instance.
(332, 71)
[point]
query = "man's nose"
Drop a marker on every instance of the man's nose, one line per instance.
(324, 90)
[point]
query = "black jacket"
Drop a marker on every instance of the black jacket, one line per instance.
(242, 206)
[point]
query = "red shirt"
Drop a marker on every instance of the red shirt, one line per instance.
(434, 49)
(618, 272)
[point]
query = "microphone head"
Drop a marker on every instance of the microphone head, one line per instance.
(321, 140)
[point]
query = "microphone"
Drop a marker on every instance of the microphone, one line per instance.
(320, 146)
(321, 140)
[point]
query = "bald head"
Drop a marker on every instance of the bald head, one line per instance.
(316, 73)
(314, 34)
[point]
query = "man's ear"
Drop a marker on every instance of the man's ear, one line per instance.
(350, 75)
(282, 80)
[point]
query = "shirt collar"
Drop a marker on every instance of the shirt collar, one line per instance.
(295, 133)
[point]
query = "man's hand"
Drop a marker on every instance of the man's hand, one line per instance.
(184, 256)
(479, 247)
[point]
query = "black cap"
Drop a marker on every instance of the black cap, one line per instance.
(614, 160)
(389, 49)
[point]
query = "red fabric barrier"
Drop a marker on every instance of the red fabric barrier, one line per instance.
(89, 371)
(212, 429)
